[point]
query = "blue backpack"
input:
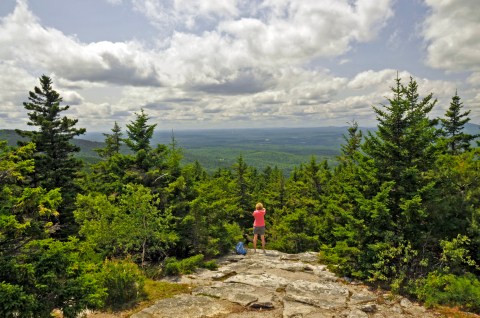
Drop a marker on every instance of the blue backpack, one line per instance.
(240, 249)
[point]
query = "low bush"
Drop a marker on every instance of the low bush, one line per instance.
(173, 266)
(451, 290)
(124, 282)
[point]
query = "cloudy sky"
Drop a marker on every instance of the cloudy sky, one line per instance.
(235, 63)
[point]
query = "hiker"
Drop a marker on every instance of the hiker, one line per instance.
(259, 226)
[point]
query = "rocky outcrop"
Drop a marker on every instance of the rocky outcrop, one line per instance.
(278, 285)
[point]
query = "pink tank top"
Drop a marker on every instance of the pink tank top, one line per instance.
(259, 216)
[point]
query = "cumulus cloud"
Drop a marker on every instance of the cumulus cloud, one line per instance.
(219, 63)
(372, 78)
(452, 35)
(167, 15)
(235, 57)
(71, 97)
(298, 30)
(26, 42)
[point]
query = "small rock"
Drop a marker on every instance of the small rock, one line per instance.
(405, 303)
(397, 309)
(362, 298)
(370, 308)
(262, 305)
(416, 311)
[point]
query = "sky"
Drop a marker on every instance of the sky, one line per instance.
(195, 64)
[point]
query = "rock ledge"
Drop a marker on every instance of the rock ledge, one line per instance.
(276, 284)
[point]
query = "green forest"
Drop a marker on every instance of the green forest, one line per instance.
(399, 209)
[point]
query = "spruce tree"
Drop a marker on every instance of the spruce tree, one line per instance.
(243, 189)
(403, 149)
(353, 143)
(55, 164)
(404, 145)
(113, 142)
(452, 127)
(139, 133)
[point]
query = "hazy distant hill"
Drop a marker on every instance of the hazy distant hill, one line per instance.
(281, 147)
(87, 153)
(214, 148)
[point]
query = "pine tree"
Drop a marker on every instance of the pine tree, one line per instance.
(353, 143)
(113, 142)
(404, 144)
(55, 164)
(403, 150)
(453, 125)
(139, 133)
(243, 190)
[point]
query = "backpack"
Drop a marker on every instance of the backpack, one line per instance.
(240, 249)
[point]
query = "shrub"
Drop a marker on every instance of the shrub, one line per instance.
(173, 266)
(124, 283)
(451, 290)
(14, 301)
(211, 265)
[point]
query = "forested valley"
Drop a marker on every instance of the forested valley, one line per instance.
(400, 208)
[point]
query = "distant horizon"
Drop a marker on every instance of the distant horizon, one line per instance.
(159, 130)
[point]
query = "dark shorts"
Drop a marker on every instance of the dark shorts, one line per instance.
(259, 230)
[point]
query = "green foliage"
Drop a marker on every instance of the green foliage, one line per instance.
(55, 164)
(128, 225)
(456, 256)
(172, 266)
(25, 212)
(124, 283)
(211, 265)
(113, 143)
(296, 232)
(449, 289)
(456, 140)
(14, 301)
(48, 274)
(139, 133)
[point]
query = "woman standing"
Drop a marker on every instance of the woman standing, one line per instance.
(259, 226)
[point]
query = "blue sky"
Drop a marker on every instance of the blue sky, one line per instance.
(235, 63)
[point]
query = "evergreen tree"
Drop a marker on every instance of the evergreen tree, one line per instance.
(243, 191)
(55, 164)
(353, 144)
(113, 142)
(24, 211)
(453, 125)
(214, 215)
(403, 150)
(139, 133)
(404, 145)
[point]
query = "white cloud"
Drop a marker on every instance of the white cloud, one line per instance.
(474, 79)
(452, 34)
(235, 58)
(370, 78)
(296, 31)
(27, 43)
(167, 15)
(221, 63)
(71, 97)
